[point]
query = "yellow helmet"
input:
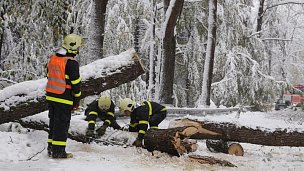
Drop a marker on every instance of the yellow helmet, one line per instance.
(72, 42)
(126, 104)
(104, 103)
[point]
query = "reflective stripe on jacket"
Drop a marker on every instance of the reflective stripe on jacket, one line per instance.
(56, 75)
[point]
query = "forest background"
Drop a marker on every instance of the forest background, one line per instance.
(257, 54)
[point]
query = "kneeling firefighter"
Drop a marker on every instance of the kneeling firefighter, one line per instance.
(147, 114)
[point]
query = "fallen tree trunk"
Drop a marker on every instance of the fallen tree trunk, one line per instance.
(78, 127)
(234, 133)
(172, 141)
(40, 121)
(28, 98)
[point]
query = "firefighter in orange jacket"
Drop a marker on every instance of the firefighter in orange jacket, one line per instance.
(147, 114)
(62, 94)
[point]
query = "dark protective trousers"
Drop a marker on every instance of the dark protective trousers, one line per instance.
(156, 119)
(60, 116)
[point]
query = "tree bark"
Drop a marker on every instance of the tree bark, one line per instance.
(90, 86)
(209, 60)
(260, 17)
(169, 45)
(100, 12)
(234, 133)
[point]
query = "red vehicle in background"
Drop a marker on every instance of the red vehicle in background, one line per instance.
(294, 98)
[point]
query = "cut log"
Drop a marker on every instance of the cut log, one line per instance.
(210, 160)
(235, 149)
(234, 133)
(28, 98)
(225, 147)
(172, 141)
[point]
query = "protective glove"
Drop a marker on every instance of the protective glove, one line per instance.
(90, 133)
(138, 143)
(75, 104)
(101, 130)
(75, 107)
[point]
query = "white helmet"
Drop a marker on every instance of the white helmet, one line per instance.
(126, 104)
(104, 103)
(72, 42)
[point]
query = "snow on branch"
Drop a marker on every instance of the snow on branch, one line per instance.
(295, 2)
(245, 82)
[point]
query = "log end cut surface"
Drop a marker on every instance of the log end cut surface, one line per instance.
(236, 149)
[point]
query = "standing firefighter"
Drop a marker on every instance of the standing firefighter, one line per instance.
(104, 109)
(62, 94)
(148, 114)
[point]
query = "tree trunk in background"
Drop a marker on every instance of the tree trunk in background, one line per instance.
(151, 75)
(2, 12)
(209, 60)
(169, 45)
(260, 17)
(100, 12)
(1, 42)
(138, 34)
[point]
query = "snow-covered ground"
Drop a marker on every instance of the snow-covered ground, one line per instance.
(23, 149)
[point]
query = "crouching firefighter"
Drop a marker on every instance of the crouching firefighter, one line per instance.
(147, 114)
(62, 94)
(104, 109)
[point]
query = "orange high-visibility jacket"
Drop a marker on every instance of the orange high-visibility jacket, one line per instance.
(56, 75)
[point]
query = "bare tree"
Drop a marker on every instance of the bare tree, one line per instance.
(100, 11)
(209, 60)
(1, 34)
(173, 10)
(260, 17)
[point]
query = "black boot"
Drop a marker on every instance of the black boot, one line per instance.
(60, 153)
(49, 150)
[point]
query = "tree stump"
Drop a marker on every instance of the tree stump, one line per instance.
(225, 147)
(172, 141)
